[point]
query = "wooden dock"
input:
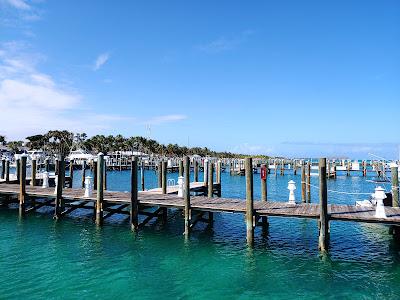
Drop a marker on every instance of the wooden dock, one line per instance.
(199, 201)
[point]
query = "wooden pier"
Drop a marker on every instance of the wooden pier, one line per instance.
(198, 202)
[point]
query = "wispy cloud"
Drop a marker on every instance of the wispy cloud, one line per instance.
(16, 13)
(223, 43)
(165, 119)
(101, 60)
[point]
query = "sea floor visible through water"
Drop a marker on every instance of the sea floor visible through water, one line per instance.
(73, 259)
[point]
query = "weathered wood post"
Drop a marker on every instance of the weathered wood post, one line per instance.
(364, 165)
(309, 182)
(348, 168)
(59, 201)
(219, 170)
(282, 167)
(33, 173)
(100, 189)
(134, 212)
(71, 173)
(142, 174)
(210, 184)
(46, 164)
(395, 185)
(264, 176)
(328, 168)
(205, 172)
(210, 189)
(105, 176)
(56, 166)
(83, 174)
(159, 169)
(7, 176)
(303, 182)
(294, 167)
(196, 171)
(186, 196)
(334, 169)
(249, 202)
(95, 177)
(18, 169)
(22, 185)
(180, 170)
(323, 201)
(3, 168)
(164, 189)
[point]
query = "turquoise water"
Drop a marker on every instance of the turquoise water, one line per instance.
(41, 258)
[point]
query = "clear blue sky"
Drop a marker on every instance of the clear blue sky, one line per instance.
(293, 78)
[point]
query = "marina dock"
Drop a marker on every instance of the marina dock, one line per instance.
(198, 201)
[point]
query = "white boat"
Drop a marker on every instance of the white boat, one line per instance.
(79, 156)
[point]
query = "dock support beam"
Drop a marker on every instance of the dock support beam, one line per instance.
(33, 175)
(309, 182)
(395, 185)
(100, 189)
(264, 193)
(164, 189)
(59, 202)
(7, 178)
(180, 170)
(134, 196)
(219, 170)
(71, 173)
(210, 189)
(303, 182)
(186, 196)
(22, 186)
(159, 173)
(249, 202)
(196, 171)
(83, 174)
(323, 199)
(3, 168)
(95, 177)
(142, 174)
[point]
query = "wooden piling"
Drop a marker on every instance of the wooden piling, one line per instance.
(164, 189)
(33, 173)
(3, 168)
(105, 176)
(159, 169)
(249, 202)
(7, 176)
(303, 182)
(395, 185)
(186, 195)
(18, 169)
(59, 201)
(323, 199)
(205, 172)
(348, 168)
(308, 185)
(47, 164)
(210, 184)
(264, 220)
(22, 185)
(196, 171)
(134, 210)
(142, 175)
(100, 189)
(71, 173)
(282, 167)
(219, 170)
(83, 174)
(180, 171)
(294, 167)
(95, 177)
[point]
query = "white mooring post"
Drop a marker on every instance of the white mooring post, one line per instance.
(379, 195)
(88, 187)
(291, 187)
(180, 186)
(45, 176)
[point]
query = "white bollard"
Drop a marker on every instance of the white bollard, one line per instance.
(56, 182)
(180, 186)
(45, 177)
(291, 187)
(88, 186)
(379, 195)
